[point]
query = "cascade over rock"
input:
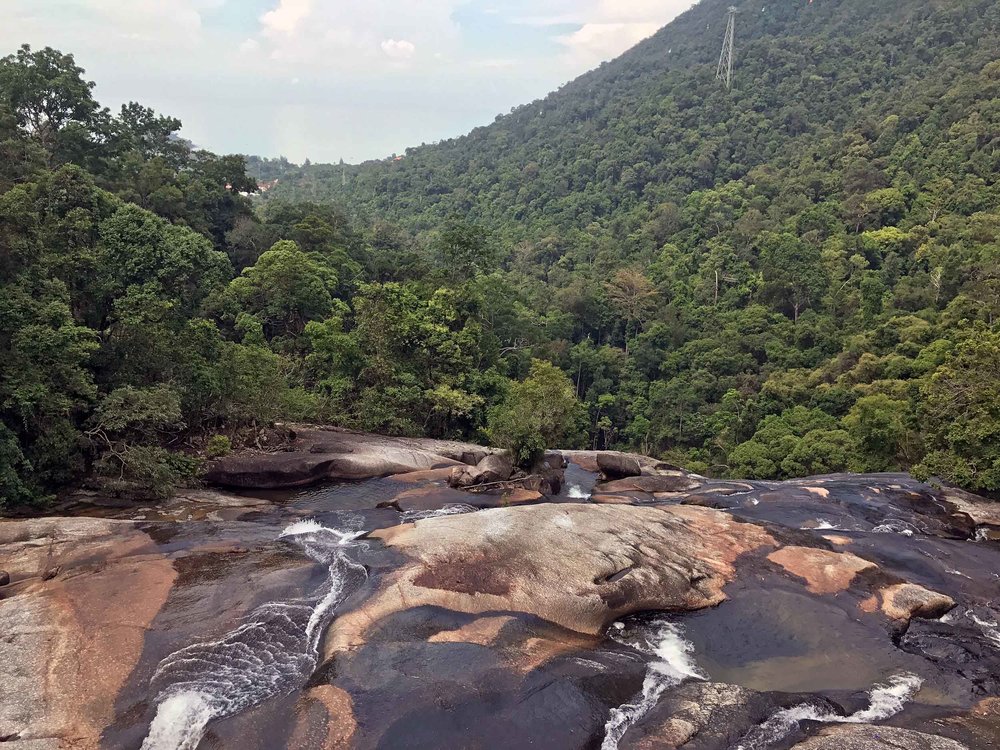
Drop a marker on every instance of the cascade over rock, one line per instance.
(678, 612)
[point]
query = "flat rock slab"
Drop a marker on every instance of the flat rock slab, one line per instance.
(579, 566)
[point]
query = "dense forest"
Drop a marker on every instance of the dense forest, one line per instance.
(799, 275)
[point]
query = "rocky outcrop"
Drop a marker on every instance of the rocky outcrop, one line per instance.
(864, 737)
(74, 619)
(579, 566)
(500, 628)
(314, 455)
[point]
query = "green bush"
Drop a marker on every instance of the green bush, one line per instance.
(218, 446)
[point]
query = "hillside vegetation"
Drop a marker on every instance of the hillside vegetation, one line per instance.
(797, 276)
(768, 281)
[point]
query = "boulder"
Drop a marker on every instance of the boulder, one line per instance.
(865, 737)
(317, 455)
(618, 465)
(521, 497)
(717, 714)
(904, 601)
(496, 467)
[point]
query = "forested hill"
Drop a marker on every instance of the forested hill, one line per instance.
(797, 276)
(654, 126)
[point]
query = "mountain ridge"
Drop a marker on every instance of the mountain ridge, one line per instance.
(668, 72)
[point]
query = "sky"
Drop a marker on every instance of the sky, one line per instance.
(331, 79)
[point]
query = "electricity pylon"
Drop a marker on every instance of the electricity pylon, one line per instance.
(725, 71)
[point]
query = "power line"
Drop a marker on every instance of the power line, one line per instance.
(725, 71)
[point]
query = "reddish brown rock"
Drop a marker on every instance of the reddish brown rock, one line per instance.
(824, 572)
(71, 642)
(324, 720)
(428, 475)
(905, 601)
(520, 497)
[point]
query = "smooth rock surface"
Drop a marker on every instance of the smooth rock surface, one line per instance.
(317, 454)
(579, 566)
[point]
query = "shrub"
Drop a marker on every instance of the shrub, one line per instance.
(218, 446)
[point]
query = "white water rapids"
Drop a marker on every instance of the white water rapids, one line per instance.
(884, 701)
(453, 509)
(272, 653)
(984, 618)
(673, 665)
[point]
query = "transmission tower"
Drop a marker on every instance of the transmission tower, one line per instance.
(725, 71)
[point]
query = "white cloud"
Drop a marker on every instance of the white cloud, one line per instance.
(398, 49)
(158, 21)
(602, 41)
(285, 18)
(606, 28)
(249, 46)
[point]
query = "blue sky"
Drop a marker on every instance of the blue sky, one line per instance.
(331, 79)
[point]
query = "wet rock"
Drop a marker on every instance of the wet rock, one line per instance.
(977, 728)
(324, 720)
(959, 649)
(864, 737)
(705, 716)
(579, 566)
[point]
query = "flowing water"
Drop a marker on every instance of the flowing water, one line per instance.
(227, 661)
(884, 702)
(454, 509)
(673, 664)
(272, 653)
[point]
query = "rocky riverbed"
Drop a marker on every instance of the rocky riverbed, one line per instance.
(343, 594)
